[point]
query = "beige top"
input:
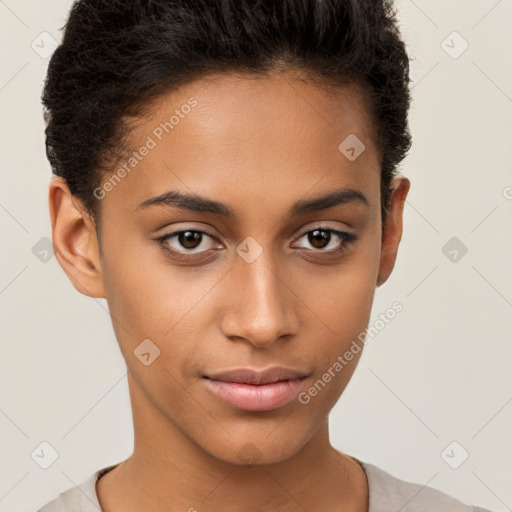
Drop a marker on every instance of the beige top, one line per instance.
(386, 494)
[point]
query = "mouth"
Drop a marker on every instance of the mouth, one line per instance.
(252, 390)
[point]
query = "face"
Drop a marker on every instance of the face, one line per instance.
(241, 265)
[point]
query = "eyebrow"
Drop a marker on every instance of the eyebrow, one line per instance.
(196, 203)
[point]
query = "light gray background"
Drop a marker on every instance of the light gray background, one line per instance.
(440, 372)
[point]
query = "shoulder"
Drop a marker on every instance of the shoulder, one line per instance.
(387, 492)
(81, 498)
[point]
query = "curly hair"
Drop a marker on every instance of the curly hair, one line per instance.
(117, 56)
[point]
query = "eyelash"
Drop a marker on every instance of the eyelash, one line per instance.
(347, 238)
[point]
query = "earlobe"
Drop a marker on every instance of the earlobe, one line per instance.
(393, 228)
(74, 240)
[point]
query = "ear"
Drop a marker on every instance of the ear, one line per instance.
(74, 240)
(393, 228)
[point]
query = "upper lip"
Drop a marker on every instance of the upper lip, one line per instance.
(258, 377)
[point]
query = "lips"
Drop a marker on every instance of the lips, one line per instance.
(253, 390)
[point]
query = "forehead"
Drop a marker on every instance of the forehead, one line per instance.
(237, 106)
(247, 134)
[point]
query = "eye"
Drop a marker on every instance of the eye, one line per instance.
(322, 240)
(185, 242)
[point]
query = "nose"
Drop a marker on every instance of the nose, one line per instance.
(259, 306)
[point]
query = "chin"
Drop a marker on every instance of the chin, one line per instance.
(260, 450)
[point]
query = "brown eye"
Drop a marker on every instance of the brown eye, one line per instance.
(190, 239)
(187, 242)
(327, 240)
(319, 238)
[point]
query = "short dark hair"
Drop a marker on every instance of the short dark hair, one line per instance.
(117, 56)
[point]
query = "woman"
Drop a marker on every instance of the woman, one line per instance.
(226, 179)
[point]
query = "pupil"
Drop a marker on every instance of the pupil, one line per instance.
(188, 239)
(316, 238)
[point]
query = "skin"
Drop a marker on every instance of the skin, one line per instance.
(258, 146)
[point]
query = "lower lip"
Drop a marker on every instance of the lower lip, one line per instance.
(255, 398)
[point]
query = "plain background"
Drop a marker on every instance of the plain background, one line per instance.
(438, 373)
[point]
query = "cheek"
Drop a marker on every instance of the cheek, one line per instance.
(150, 299)
(341, 297)
(341, 300)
